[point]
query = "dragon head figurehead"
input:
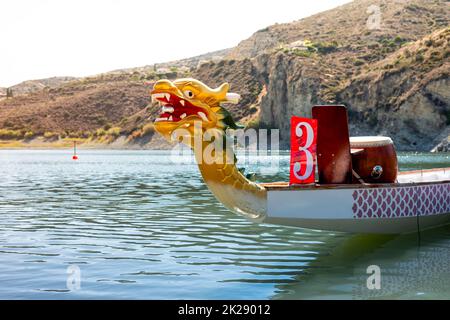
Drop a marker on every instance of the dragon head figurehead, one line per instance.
(185, 102)
(189, 105)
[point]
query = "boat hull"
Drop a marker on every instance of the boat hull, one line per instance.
(378, 226)
(412, 205)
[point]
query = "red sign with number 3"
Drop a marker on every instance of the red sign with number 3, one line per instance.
(303, 150)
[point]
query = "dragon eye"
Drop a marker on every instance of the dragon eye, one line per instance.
(188, 94)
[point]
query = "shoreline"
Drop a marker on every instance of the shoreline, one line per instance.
(154, 144)
(120, 143)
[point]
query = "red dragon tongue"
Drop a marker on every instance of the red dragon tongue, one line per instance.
(175, 108)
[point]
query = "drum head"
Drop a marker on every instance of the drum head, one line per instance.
(369, 142)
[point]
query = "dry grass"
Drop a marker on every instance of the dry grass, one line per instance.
(74, 108)
(40, 143)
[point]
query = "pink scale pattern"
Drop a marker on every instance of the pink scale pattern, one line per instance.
(401, 202)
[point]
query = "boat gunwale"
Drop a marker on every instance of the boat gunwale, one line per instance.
(284, 186)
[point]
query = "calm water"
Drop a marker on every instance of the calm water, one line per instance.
(139, 227)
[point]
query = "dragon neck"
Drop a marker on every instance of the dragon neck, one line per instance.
(228, 184)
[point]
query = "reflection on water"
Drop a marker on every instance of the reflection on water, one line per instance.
(409, 270)
(140, 227)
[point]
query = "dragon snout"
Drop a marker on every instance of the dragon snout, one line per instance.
(163, 85)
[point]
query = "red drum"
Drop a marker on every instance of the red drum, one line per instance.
(374, 159)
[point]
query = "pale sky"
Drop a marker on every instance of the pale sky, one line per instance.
(45, 38)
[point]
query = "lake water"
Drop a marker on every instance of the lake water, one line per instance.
(133, 225)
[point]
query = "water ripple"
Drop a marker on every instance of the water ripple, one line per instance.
(138, 227)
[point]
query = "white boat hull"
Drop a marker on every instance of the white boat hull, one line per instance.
(380, 226)
(420, 201)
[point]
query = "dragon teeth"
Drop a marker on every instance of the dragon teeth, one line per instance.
(156, 96)
(160, 119)
(170, 118)
(203, 116)
(167, 109)
(167, 95)
(182, 102)
(183, 116)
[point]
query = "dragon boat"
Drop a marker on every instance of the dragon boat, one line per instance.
(358, 187)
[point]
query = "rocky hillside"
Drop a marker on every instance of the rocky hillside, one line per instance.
(394, 79)
(179, 65)
(409, 91)
(77, 109)
(31, 86)
(347, 25)
(388, 61)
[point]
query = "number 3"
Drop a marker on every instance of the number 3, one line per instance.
(309, 157)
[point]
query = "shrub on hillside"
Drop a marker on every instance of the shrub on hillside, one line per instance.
(326, 47)
(29, 135)
(11, 134)
(302, 53)
(419, 57)
(114, 132)
(253, 124)
(148, 129)
(100, 132)
(134, 135)
(50, 135)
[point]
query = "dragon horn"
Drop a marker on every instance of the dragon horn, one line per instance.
(232, 97)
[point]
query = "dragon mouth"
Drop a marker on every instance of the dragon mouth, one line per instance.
(175, 109)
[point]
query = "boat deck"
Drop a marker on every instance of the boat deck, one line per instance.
(407, 178)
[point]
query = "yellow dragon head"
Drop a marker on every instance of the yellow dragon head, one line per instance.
(189, 105)
(185, 102)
